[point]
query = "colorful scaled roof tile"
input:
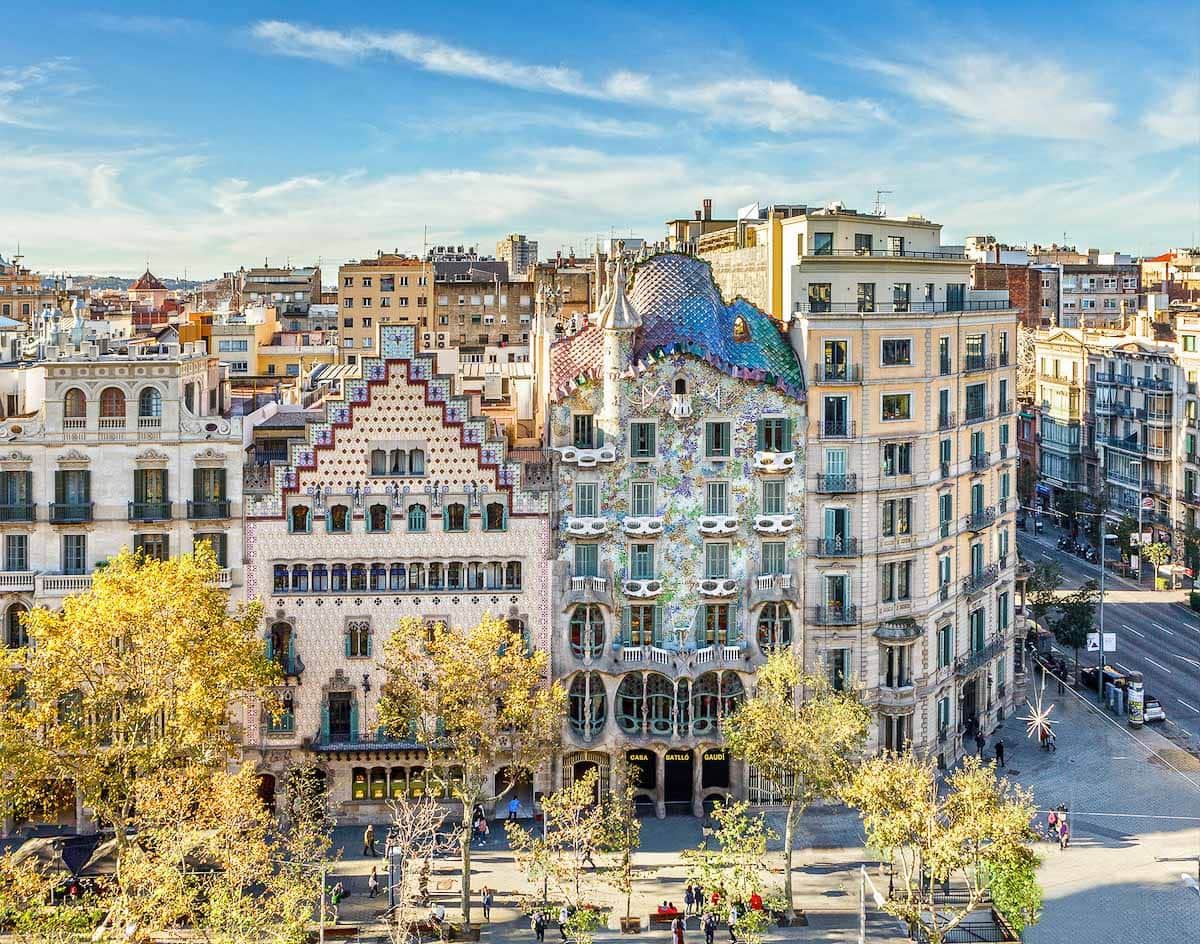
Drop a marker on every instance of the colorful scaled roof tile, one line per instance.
(682, 312)
(575, 359)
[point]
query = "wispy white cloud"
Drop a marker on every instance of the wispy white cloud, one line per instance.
(1173, 118)
(776, 104)
(24, 91)
(996, 94)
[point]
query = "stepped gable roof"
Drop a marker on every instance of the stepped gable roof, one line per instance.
(146, 283)
(574, 359)
(682, 312)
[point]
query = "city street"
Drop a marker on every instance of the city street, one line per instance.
(1155, 636)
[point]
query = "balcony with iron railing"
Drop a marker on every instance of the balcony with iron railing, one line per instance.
(981, 580)
(973, 363)
(150, 511)
(970, 661)
(837, 483)
(70, 512)
(896, 308)
(18, 511)
(834, 615)
(836, 547)
(1154, 383)
(979, 519)
(888, 252)
(836, 373)
(1106, 378)
(1160, 419)
(979, 415)
(981, 461)
(1005, 407)
(947, 420)
(836, 429)
(1129, 444)
(204, 509)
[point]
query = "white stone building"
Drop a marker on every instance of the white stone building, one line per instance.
(397, 504)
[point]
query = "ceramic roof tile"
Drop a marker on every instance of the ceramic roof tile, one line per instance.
(575, 358)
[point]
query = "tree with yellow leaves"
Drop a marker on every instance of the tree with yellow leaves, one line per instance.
(478, 699)
(801, 735)
(975, 835)
(131, 679)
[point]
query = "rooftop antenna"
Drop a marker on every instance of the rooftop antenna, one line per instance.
(880, 208)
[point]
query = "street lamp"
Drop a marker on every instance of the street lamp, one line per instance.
(1105, 537)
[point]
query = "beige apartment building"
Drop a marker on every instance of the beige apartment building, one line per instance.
(392, 288)
(912, 474)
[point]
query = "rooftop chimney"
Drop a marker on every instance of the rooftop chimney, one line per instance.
(697, 214)
(707, 208)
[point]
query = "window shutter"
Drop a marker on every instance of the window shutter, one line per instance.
(761, 441)
(291, 653)
(652, 432)
(353, 721)
(625, 627)
(598, 437)
(87, 486)
(445, 518)
(60, 487)
(367, 643)
(166, 545)
(347, 641)
(325, 723)
(708, 438)
(27, 490)
(787, 436)
(219, 490)
(658, 624)
(270, 646)
(735, 626)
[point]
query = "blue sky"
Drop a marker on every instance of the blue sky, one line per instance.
(202, 136)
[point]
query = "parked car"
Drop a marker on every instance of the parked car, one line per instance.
(1152, 709)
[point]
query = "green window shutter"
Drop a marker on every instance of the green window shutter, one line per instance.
(787, 436)
(87, 485)
(353, 721)
(270, 647)
(346, 640)
(291, 653)
(219, 485)
(735, 626)
(626, 630)
(658, 626)
(139, 485)
(325, 723)
(197, 484)
(598, 437)
(445, 518)
(761, 441)
(368, 645)
(60, 487)
(708, 438)
(651, 433)
(166, 546)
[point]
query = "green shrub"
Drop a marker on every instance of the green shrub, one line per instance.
(1194, 600)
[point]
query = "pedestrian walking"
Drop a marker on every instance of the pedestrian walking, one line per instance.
(688, 900)
(369, 840)
(484, 831)
(980, 742)
(335, 899)
(1064, 835)
(564, 915)
(677, 930)
(999, 752)
(698, 895)
(733, 920)
(710, 927)
(539, 926)
(488, 898)
(373, 883)
(514, 807)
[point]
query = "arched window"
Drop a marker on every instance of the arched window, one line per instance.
(512, 575)
(299, 578)
(416, 462)
(454, 575)
(628, 707)
(15, 636)
(455, 517)
(774, 626)
(732, 694)
(741, 329)
(397, 783)
(150, 402)
(282, 647)
(337, 578)
(474, 576)
(112, 403)
(416, 517)
(587, 705)
(706, 708)
(358, 576)
(379, 577)
(399, 462)
(680, 385)
(75, 404)
(397, 580)
(281, 578)
(358, 639)
(378, 783)
(660, 703)
(298, 520)
(495, 517)
(320, 578)
(587, 631)
(338, 518)
(416, 576)
(518, 629)
(378, 462)
(379, 518)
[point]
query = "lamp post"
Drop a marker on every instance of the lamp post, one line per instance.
(1105, 537)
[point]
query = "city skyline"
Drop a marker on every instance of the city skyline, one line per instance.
(304, 135)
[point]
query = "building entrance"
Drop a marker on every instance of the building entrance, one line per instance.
(677, 781)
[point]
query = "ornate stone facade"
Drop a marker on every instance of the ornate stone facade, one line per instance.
(399, 504)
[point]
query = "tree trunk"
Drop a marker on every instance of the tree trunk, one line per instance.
(465, 844)
(788, 826)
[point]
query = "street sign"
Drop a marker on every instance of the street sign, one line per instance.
(1147, 502)
(1110, 642)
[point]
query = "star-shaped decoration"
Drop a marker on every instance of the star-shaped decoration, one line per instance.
(1037, 722)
